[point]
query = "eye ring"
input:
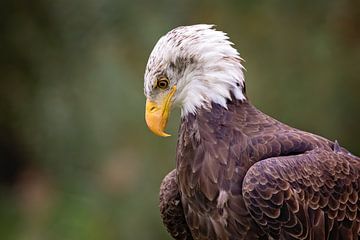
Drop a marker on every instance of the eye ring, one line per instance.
(162, 83)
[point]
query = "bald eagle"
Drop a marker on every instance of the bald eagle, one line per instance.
(241, 174)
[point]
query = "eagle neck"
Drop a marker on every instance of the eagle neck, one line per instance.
(204, 143)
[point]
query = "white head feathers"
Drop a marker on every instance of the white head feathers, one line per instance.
(201, 62)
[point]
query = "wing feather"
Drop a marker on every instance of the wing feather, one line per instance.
(171, 209)
(305, 196)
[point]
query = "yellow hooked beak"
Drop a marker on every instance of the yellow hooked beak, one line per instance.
(157, 116)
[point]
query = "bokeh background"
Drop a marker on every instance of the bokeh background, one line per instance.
(76, 159)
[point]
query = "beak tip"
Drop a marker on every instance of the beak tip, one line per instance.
(162, 134)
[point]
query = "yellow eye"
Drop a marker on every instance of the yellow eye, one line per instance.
(162, 83)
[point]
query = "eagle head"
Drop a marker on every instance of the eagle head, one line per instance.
(190, 67)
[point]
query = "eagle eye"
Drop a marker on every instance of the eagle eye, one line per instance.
(162, 83)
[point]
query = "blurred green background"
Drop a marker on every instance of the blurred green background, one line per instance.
(76, 159)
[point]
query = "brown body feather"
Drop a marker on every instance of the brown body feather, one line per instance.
(241, 174)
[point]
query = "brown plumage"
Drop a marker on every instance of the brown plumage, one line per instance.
(171, 210)
(243, 175)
